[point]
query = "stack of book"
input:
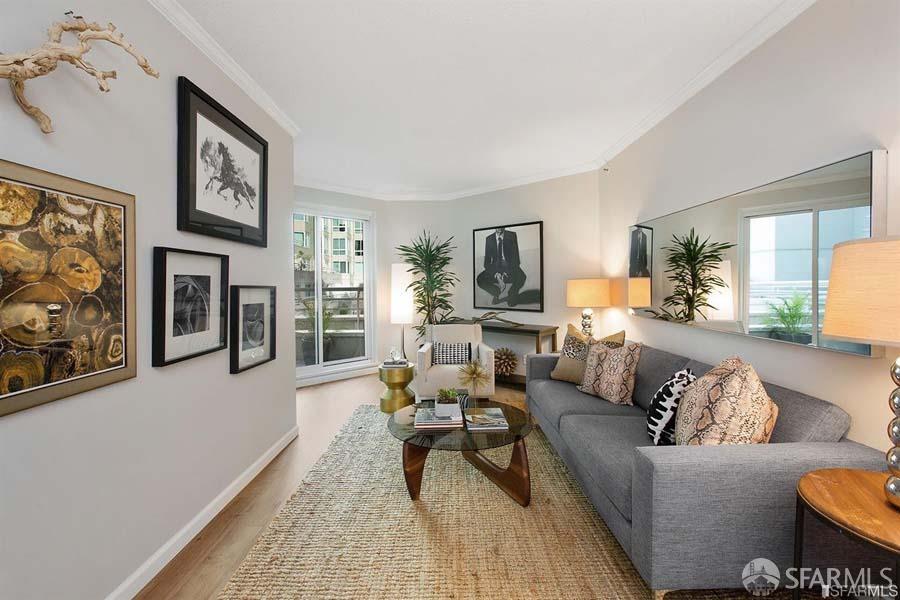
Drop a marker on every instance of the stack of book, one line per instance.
(426, 420)
(395, 364)
(485, 420)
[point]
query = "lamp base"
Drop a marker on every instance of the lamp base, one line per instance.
(587, 322)
(892, 485)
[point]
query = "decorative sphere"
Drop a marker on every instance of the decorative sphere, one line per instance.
(892, 490)
(893, 460)
(895, 372)
(894, 401)
(894, 431)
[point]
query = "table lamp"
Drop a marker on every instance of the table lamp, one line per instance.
(639, 292)
(587, 294)
(863, 305)
(402, 310)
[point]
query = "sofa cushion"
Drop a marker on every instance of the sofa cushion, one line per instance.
(604, 446)
(727, 405)
(653, 370)
(573, 355)
(609, 372)
(556, 399)
(661, 416)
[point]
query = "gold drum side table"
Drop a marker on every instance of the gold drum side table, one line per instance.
(397, 395)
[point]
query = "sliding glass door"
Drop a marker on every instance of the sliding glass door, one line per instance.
(332, 296)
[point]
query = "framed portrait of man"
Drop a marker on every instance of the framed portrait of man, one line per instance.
(508, 267)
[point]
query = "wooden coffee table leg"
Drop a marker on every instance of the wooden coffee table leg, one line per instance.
(413, 465)
(515, 479)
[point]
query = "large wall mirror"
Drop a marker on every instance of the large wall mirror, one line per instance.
(763, 256)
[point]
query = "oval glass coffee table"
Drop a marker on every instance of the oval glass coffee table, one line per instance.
(515, 479)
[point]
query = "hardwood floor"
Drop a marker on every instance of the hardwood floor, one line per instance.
(204, 566)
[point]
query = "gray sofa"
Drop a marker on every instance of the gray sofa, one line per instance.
(690, 517)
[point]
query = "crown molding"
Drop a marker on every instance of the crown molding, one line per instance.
(197, 35)
(765, 28)
(430, 196)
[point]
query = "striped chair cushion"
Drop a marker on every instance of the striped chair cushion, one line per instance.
(451, 354)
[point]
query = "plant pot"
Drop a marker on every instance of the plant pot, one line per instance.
(442, 410)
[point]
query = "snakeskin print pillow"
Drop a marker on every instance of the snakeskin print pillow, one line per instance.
(570, 366)
(728, 405)
(609, 372)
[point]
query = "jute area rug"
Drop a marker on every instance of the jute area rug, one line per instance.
(351, 531)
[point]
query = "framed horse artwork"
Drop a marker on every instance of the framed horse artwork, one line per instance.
(222, 171)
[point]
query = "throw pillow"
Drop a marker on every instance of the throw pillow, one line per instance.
(661, 412)
(728, 405)
(570, 366)
(451, 354)
(609, 372)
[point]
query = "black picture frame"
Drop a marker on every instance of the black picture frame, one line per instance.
(479, 269)
(191, 101)
(634, 263)
(236, 329)
(161, 324)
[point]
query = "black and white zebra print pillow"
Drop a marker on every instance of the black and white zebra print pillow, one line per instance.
(661, 413)
(451, 354)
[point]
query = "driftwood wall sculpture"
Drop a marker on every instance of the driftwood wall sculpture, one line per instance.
(18, 68)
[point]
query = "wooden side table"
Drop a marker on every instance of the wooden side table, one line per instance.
(852, 502)
(396, 395)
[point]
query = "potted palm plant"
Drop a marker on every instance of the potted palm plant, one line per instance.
(692, 264)
(429, 263)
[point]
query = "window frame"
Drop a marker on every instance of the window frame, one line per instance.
(812, 207)
(352, 367)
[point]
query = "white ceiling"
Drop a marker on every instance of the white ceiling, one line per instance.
(437, 99)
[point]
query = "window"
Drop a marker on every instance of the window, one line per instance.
(788, 261)
(331, 299)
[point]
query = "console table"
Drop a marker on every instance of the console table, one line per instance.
(538, 332)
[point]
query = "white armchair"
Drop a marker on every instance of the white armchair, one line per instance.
(430, 378)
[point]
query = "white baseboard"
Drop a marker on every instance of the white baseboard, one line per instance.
(153, 565)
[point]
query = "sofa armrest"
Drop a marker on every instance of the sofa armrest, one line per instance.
(701, 513)
(539, 366)
(423, 361)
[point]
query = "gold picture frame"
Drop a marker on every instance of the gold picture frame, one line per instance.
(67, 293)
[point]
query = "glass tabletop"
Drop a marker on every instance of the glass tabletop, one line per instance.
(401, 426)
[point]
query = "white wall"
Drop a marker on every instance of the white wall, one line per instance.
(93, 485)
(825, 88)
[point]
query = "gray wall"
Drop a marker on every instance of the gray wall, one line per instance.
(93, 485)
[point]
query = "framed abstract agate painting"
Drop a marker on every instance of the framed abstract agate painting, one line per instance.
(67, 287)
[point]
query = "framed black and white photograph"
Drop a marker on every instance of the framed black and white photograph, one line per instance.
(640, 253)
(508, 264)
(190, 304)
(222, 171)
(252, 326)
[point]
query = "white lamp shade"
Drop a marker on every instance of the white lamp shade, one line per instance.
(587, 293)
(402, 310)
(722, 298)
(863, 301)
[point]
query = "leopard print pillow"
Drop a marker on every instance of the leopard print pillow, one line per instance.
(570, 366)
(609, 372)
(727, 405)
